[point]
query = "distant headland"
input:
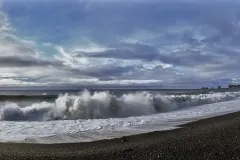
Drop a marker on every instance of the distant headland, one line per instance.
(230, 86)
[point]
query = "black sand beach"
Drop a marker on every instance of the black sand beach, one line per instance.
(213, 138)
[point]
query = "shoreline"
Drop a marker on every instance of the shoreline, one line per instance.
(211, 138)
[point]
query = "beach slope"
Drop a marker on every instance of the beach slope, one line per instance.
(212, 138)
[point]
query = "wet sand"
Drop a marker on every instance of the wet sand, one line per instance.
(213, 138)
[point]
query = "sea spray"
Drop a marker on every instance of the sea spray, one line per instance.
(102, 105)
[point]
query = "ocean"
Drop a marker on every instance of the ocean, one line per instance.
(63, 116)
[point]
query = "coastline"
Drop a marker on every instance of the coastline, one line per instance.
(211, 138)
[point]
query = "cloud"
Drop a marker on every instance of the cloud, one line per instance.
(11, 45)
(22, 62)
(124, 51)
(159, 43)
(113, 65)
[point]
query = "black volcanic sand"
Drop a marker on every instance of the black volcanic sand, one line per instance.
(215, 138)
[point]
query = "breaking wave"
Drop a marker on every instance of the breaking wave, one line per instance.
(100, 105)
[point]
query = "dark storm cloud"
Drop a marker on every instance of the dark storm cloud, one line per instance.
(190, 59)
(101, 73)
(26, 62)
(125, 51)
(147, 53)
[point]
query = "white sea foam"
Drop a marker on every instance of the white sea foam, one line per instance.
(94, 129)
(102, 105)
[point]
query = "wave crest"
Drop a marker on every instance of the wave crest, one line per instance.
(105, 105)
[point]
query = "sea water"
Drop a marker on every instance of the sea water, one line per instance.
(81, 116)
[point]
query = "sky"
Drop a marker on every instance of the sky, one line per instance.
(121, 43)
